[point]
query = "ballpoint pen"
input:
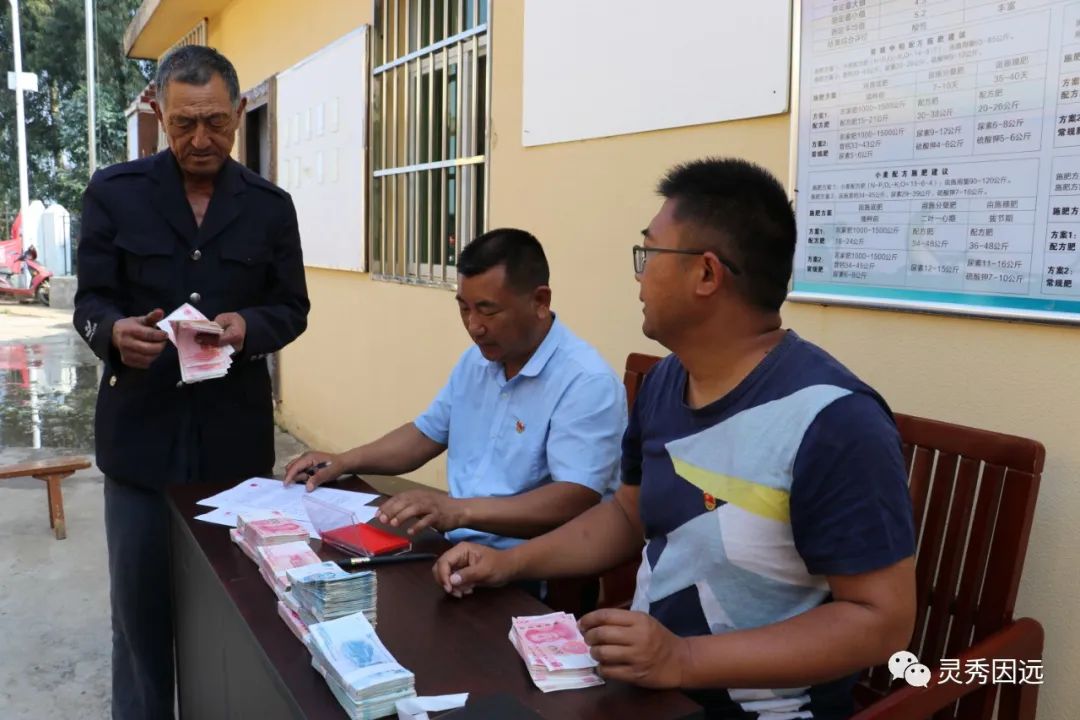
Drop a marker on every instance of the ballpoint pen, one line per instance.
(312, 469)
(360, 562)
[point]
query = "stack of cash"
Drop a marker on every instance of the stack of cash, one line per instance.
(325, 591)
(554, 652)
(293, 620)
(198, 362)
(363, 675)
(275, 560)
(290, 601)
(274, 530)
(248, 548)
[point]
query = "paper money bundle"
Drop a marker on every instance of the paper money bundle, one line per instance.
(275, 560)
(293, 621)
(200, 362)
(197, 362)
(326, 592)
(244, 545)
(554, 652)
(273, 530)
(364, 677)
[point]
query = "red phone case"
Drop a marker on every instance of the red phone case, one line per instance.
(364, 539)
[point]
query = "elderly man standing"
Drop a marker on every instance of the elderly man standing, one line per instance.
(188, 225)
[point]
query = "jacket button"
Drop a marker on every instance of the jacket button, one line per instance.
(180, 384)
(195, 297)
(196, 254)
(112, 381)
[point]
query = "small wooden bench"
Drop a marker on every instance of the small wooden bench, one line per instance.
(52, 472)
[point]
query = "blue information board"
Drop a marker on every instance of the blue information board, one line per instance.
(938, 156)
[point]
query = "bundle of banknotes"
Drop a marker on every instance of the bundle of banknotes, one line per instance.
(293, 620)
(270, 528)
(325, 592)
(363, 675)
(273, 559)
(276, 560)
(554, 652)
(198, 362)
(249, 549)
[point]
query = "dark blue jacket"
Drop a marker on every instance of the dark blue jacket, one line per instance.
(140, 249)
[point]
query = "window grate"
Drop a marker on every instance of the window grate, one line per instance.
(428, 136)
(194, 36)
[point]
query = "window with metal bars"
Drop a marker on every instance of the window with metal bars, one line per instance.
(195, 36)
(429, 122)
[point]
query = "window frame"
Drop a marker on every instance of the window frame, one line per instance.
(420, 176)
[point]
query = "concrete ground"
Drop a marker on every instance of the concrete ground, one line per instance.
(55, 639)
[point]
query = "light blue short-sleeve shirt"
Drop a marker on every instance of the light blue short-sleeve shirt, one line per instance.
(561, 419)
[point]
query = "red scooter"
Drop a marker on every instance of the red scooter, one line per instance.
(21, 275)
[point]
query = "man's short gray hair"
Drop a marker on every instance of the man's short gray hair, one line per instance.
(196, 65)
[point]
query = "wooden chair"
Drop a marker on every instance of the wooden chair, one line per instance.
(617, 585)
(973, 493)
(52, 472)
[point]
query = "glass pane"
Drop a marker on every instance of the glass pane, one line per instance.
(480, 92)
(410, 29)
(450, 246)
(378, 154)
(451, 114)
(425, 22)
(440, 20)
(426, 112)
(410, 120)
(424, 228)
(378, 31)
(455, 18)
(437, 123)
(376, 221)
(479, 209)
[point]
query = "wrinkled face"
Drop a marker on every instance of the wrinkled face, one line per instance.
(200, 122)
(502, 321)
(665, 285)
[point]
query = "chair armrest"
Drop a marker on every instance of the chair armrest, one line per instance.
(1022, 640)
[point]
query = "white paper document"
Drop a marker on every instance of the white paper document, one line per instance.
(270, 494)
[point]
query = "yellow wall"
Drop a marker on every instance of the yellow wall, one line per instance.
(375, 353)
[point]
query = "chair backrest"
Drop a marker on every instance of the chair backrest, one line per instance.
(973, 493)
(637, 365)
(617, 585)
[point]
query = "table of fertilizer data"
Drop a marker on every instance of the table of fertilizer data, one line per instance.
(939, 156)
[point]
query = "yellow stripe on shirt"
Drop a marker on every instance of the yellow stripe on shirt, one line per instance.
(765, 501)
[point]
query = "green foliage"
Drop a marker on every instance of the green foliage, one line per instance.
(54, 47)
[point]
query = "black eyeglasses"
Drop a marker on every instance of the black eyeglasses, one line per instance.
(641, 254)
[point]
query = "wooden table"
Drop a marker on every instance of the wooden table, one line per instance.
(237, 659)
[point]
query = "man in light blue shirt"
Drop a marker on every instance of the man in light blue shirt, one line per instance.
(532, 416)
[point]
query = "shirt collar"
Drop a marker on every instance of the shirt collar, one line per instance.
(539, 359)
